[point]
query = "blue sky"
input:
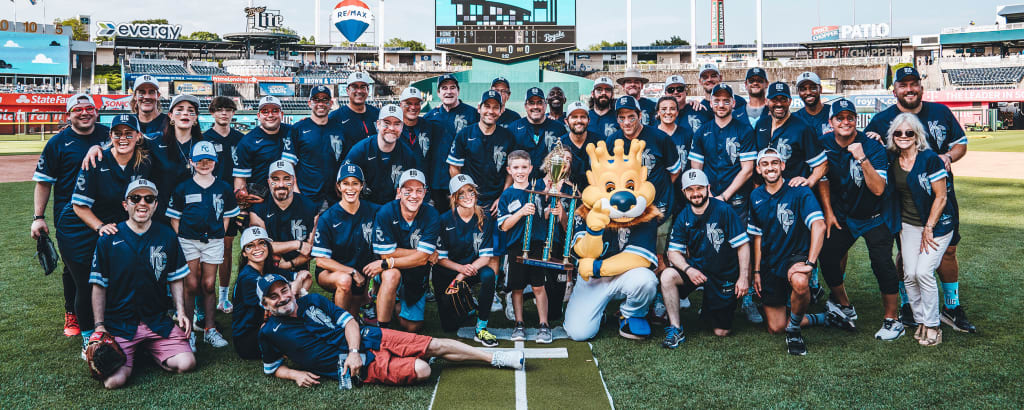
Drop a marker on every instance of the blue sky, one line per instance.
(784, 20)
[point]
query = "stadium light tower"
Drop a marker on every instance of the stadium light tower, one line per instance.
(629, 33)
(380, 34)
(316, 20)
(760, 37)
(693, 32)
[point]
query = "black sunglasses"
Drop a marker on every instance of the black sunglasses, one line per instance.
(135, 199)
(898, 134)
(673, 90)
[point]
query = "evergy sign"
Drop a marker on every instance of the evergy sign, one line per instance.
(157, 31)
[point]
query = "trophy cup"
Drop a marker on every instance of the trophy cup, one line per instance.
(558, 173)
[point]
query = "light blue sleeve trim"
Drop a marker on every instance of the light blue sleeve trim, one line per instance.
(813, 216)
(940, 174)
(695, 157)
(739, 240)
(883, 173)
(455, 161)
(753, 230)
(173, 214)
(179, 274)
(961, 141)
(97, 278)
(817, 160)
(41, 177)
(442, 254)
(385, 249)
(241, 172)
(290, 158)
(319, 252)
(678, 166)
(425, 248)
(646, 254)
(79, 199)
(748, 156)
(270, 368)
(678, 247)
(486, 252)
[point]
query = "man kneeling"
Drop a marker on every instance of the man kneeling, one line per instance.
(323, 340)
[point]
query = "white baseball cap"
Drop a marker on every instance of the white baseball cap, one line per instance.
(204, 150)
(390, 110)
(269, 100)
(253, 233)
(411, 92)
(281, 165)
(357, 77)
(412, 175)
(459, 181)
(768, 153)
(76, 99)
(604, 81)
(708, 66)
(576, 105)
(140, 184)
(674, 79)
(694, 177)
(807, 76)
(146, 79)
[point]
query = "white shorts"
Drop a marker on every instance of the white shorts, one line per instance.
(211, 252)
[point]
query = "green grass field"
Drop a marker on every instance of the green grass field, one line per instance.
(40, 368)
(1001, 141)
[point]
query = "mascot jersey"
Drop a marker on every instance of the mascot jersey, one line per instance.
(661, 159)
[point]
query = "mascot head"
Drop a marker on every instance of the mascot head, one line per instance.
(618, 181)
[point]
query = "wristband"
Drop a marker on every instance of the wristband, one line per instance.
(597, 268)
(43, 216)
(811, 264)
(687, 269)
(595, 233)
(860, 161)
(757, 272)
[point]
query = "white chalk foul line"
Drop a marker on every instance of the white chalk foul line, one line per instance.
(601, 375)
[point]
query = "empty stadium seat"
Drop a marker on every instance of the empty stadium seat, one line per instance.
(985, 76)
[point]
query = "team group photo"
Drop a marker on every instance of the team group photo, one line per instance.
(545, 204)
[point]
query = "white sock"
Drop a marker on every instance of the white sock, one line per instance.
(223, 293)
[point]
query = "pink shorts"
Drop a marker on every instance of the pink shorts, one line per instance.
(395, 362)
(160, 348)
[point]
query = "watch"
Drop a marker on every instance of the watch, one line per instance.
(861, 161)
(37, 217)
(811, 264)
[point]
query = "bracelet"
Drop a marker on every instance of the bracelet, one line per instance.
(43, 216)
(686, 269)
(860, 161)
(757, 271)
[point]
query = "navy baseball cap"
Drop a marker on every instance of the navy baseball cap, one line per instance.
(757, 72)
(841, 105)
(626, 102)
(490, 95)
(501, 80)
(266, 281)
(722, 87)
(126, 119)
(907, 72)
(318, 90)
(446, 77)
(349, 169)
(778, 88)
(535, 92)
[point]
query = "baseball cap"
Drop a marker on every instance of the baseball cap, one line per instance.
(674, 79)
(807, 76)
(694, 177)
(632, 74)
(349, 169)
(125, 119)
(722, 87)
(320, 89)
(576, 105)
(411, 92)
(446, 77)
(266, 282)
(778, 88)
(145, 79)
(268, 100)
(535, 92)
(604, 81)
(768, 153)
(76, 99)
(626, 102)
(841, 105)
(253, 233)
(501, 80)
(904, 72)
(490, 95)
(708, 66)
(757, 72)
(281, 165)
(459, 181)
(184, 98)
(411, 175)
(357, 77)
(390, 110)
(204, 150)
(140, 184)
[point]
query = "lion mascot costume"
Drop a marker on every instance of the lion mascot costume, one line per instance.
(616, 232)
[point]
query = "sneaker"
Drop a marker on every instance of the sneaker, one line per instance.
(907, 316)
(684, 303)
(750, 309)
(486, 338)
(512, 359)
(795, 343)
(83, 356)
(957, 319)
(225, 306)
(817, 294)
(839, 321)
(192, 341)
(673, 337)
(847, 311)
(544, 334)
(659, 310)
(214, 338)
(510, 312)
(71, 325)
(519, 333)
(635, 328)
(496, 304)
(891, 329)
(369, 311)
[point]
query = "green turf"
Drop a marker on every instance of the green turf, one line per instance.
(21, 147)
(40, 368)
(1001, 141)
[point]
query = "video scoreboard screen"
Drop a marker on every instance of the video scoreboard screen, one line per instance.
(505, 31)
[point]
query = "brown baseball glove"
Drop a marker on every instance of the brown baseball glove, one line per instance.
(103, 355)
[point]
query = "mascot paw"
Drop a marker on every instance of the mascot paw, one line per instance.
(598, 218)
(586, 268)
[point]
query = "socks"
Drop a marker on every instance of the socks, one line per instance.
(747, 299)
(814, 279)
(951, 294)
(480, 325)
(816, 319)
(223, 292)
(86, 334)
(903, 294)
(384, 325)
(794, 322)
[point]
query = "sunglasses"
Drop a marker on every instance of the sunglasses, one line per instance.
(899, 134)
(137, 199)
(673, 90)
(125, 136)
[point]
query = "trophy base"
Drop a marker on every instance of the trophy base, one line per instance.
(558, 264)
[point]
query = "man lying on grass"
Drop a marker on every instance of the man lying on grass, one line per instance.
(324, 340)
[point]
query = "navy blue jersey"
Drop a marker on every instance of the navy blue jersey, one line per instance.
(513, 199)
(721, 150)
(942, 130)
(257, 150)
(294, 223)
(136, 270)
(61, 160)
(423, 138)
(381, 170)
(648, 111)
(536, 139)
(819, 123)
(451, 122)
(682, 138)
(850, 197)
(701, 238)
(795, 141)
(391, 231)
(739, 111)
(507, 118)
(580, 158)
(344, 237)
(201, 211)
(463, 242)
(688, 117)
(153, 128)
(247, 315)
(783, 221)
(603, 125)
(639, 240)
(928, 168)
(355, 126)
(318, 149)
(314, 339)
(225, 147)
(483, 158)
(661, 160)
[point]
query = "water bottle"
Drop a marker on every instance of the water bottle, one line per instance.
(344, 379)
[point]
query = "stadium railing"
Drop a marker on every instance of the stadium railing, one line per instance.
(790, 63)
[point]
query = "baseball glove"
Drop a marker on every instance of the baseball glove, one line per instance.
(46, 254)
(103, 355)
(459, 296)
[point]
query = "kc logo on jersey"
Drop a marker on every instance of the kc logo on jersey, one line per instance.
(922, 179)
(715, 235)
(298, 230)
(459, 122)
(157, 260)
(499, 158)
(623, 237)
(218, 205)
(732, 146)
(414, 238)
(785, 216)
(336, 146)
(938, 132)
(856, 173)
(367, 229)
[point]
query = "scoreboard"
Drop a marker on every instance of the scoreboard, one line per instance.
(505, 31)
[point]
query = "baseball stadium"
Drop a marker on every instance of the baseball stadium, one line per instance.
(262, 203)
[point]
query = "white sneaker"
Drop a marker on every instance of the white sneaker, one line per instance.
(225, 306)
(192, 341)
(214, 338)
(684, 303)
(891, 329)
(512, 359)
(496, 304)
(510, 312)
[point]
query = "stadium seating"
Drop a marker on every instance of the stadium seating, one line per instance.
(146, 68)
(209, 70)
(985, 76)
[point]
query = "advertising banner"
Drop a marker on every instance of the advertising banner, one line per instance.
(193, 87)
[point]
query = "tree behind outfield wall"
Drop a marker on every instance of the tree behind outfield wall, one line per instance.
(202, 36)
(410, 44)
(80, 31)
(672, 41)
(605, 43)
(150, 21)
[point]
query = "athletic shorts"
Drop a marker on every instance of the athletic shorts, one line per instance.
(395, 362)
(519, 274)
(413, 312)
(160, 348)
(720, 318)
(775, 287)
(234, 227)
(356, 290)
(211, 252)
(663, 232)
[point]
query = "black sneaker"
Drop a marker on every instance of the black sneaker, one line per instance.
(957, 319)
(795, 343)
(907, 316)
(817, 295)
(837, 320)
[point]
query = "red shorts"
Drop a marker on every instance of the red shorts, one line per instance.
(395, 362)
(160, 348)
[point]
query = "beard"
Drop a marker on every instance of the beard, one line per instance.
(910, 105)
(699, 202)
(286, 309)
(281, 193)
(603, 103)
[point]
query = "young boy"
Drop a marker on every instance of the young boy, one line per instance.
(514, 205)
(224, 139)
(200, 211)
